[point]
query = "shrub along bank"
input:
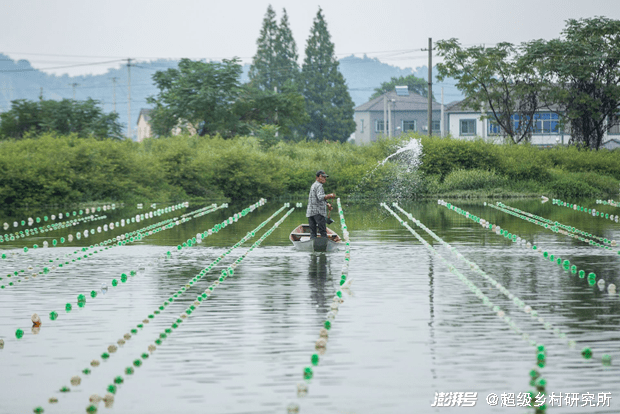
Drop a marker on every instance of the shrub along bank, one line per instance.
(53, 169)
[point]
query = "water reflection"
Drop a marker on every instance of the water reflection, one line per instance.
(317, 276)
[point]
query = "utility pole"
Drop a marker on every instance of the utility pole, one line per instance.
(390, 118)
(385, 115)
(41, 94)
(430, 86)
(129, 98)
(114, 91)
(74, 85)
(441, 126)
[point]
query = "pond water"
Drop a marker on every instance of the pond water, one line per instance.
(407, 329)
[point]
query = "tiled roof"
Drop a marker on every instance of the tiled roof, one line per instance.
(413, 102)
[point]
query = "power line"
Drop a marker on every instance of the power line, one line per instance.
(57, 67)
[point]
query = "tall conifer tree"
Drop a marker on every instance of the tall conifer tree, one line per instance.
(287, 68)
(328, 102)
(263, 68)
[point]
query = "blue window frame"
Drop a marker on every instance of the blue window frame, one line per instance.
(379, 125)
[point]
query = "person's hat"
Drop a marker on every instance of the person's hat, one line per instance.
(320, 173)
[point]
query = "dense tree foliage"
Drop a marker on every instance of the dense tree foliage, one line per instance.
(581, 72)
(53, 169)
(83, 118)
(198, 96)
(287, 68)
(284, 111)
(263, 72)
(415, 84)
(328, 102)
(274, 66)
(495, 81)
(576, 76)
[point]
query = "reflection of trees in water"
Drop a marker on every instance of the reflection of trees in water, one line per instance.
(317, 274)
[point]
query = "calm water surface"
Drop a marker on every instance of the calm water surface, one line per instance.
(408, 328)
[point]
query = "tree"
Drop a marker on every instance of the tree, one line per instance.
(287, 68)
(328, 102)
(415, 84)
(197, 96)
(263, 71)
(497, 82)
(257, 108)
(582, 73)
(84, 118)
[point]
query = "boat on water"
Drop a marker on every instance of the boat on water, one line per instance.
(300, 237)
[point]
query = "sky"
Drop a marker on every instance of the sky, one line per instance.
(58, 35)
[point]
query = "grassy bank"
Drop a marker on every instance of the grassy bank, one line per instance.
(60, 170)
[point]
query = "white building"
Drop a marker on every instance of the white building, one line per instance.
(465, 123)
(144, 124)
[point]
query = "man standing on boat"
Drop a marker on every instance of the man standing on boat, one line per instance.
(318, 205)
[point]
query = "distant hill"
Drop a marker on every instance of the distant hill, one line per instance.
(18, 80)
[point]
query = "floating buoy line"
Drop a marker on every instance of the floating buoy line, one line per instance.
(589, 211)
(609, 202)
(321, 343)
(112, 349)
(35, 231)
(113, 388)
(109, 241)
(81, 298)
(555, 227)
(111, 226)
(120, 240)
(51, 217)
(586, 353)
(471, 285)
(539, 348)
(133, 219)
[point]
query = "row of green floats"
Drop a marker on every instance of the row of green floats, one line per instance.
(589, 211)
(35, 231)
(137, 219)
(30, 221)
(81, 299)
(109, 399)
(609, 202)
(539, 348)
(586, 352)
(120, 240)
(321, 343)
(229, 271)
(556, 227)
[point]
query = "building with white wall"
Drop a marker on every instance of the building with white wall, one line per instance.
(405, 111)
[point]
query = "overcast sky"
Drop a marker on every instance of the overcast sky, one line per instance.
(51, 33)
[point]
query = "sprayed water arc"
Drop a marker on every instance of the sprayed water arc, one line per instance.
(403, 182)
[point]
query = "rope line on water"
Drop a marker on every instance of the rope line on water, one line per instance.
(81, 298)
(133, 219)
(541, 353)
(35, 231)
(129, 371)
(112, 349)
(38, 219)
(555, 227)
(609, 202)
(522, 305)
(120, 240)
(589, 211)
(321, 343)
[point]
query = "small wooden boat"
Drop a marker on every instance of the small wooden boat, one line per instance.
(300, 237)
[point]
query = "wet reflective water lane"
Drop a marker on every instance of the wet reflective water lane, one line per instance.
(407, 329)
